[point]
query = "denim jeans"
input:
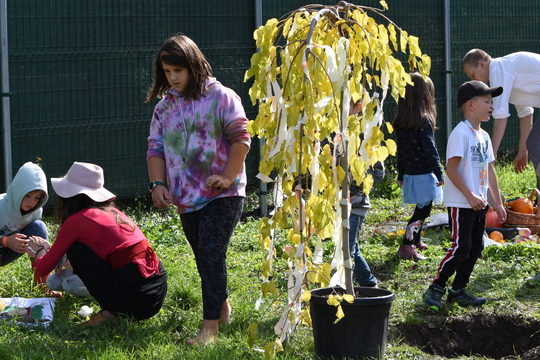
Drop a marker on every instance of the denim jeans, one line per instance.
(35, 228)
(362, 272)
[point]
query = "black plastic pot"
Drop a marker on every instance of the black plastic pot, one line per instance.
(361, 333)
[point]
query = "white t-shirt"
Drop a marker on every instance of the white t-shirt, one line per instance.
(519, 75)
(475, 150)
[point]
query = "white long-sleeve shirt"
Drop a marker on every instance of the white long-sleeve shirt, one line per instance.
(519, 75)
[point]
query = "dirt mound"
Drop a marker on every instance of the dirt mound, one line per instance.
(533, 354)
(493, 336)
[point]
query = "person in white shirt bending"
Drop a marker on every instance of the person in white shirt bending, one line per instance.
(519, 74)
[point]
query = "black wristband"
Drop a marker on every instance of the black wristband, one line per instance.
(38, 250)
(153, 185)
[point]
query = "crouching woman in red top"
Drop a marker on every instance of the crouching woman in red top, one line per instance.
(106, 249)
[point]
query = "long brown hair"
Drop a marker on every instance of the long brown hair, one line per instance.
(65, 207)
(417, 105)
(179, 50)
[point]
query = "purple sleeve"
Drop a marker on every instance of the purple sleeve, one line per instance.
(155, 140)
(235, 121)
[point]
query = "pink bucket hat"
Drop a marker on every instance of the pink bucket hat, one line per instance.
(82, 178)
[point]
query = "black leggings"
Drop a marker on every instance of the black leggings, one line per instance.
(122, 291)
(209, 231)
(419, 216)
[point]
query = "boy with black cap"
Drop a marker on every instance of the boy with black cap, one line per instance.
(470, 173)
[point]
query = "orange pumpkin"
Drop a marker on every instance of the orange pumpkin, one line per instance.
(491, 219)
(496, 236)
(522, 205)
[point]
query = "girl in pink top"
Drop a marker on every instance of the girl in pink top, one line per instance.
(106, 249)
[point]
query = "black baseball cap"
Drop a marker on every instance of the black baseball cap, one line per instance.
(473, 88)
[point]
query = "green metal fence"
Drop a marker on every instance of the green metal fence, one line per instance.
(79, 70)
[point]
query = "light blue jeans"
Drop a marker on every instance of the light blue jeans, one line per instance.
(68, 282)
(362, 272)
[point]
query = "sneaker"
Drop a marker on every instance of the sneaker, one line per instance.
(371, 285)
(432, 296)
(463, 298)
(420, 245)
(409, 252)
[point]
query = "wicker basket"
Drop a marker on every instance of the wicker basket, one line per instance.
(530, 221)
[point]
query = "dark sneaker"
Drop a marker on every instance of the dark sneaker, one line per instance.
(371, 285)
(463, 298)
(432, 296)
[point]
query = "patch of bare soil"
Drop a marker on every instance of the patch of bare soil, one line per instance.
(493, 336)
(533, 354)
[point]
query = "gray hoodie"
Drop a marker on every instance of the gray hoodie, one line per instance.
(30, 177)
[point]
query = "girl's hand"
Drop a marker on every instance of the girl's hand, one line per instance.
(58, 271)
(440, 183)
(160, 197)
(17, 242)
(37, 247)
(40, 242)
(399, 182)
(66, 264)
(218, 181)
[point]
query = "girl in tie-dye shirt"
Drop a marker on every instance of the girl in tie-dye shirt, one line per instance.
(196, 151)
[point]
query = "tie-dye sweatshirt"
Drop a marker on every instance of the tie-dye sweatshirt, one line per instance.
(194, 138)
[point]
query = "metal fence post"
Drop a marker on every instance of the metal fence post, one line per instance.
(448, 67)
(4, 89)
(263, 187)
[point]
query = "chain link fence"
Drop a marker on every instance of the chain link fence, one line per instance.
(79, 70)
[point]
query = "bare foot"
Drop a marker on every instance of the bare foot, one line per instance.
(108, 314)
(207, 334)
(225, 313)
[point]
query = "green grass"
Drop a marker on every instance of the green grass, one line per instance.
(499, 275)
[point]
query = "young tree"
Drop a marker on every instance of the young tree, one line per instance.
(321, 77)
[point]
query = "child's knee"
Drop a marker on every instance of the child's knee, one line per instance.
(73, 285)
(54, 282)
(36, 228)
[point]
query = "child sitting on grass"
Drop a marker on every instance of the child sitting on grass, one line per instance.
(470, 174)
(20, 214)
